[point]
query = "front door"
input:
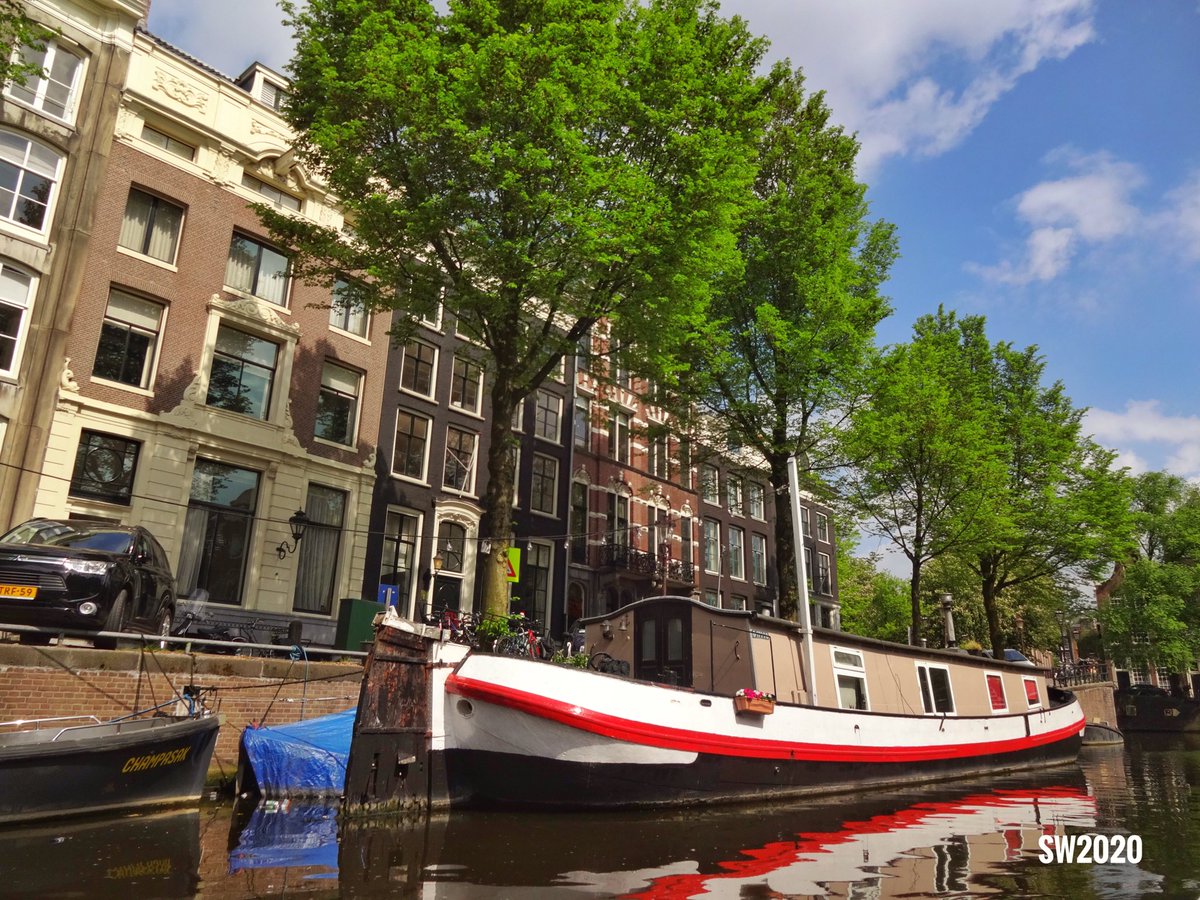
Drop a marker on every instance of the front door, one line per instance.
(447, 594)
(664, 644)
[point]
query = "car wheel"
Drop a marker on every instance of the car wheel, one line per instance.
(165, 620)
(114, 622)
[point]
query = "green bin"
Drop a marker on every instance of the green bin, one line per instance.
(354, 622)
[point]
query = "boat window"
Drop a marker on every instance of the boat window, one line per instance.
(664, 644)
(995, 686)
(1032, 695)
(674, 640)
(649, 639)
(936, 695)
(851, 676)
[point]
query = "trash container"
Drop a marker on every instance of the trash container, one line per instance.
(354, 622)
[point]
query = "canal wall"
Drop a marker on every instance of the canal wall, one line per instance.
(38, 682)
(1097, 702)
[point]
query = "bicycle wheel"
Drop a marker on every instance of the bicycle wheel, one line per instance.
(511, 645)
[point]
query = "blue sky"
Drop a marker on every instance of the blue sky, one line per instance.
(1040, 158)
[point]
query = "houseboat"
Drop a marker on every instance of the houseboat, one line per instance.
(686, 703)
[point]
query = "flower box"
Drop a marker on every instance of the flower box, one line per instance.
(759, 706)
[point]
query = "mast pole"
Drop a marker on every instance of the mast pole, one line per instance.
(802, 579)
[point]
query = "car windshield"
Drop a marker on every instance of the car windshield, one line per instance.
(57, 534)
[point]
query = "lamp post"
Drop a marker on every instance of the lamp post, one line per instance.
(802, 582)
(296, 523)
(947, 602)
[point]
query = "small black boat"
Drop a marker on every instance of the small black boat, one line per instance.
(68, 766)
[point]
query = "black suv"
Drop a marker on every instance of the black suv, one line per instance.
(82, 575)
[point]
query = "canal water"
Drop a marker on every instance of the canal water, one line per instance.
(970, 839)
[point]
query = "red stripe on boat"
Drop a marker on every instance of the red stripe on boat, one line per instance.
(645, 733)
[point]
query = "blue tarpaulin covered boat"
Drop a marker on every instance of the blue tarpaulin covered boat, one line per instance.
(303, 759)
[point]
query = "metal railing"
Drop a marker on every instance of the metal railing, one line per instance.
(188, 642)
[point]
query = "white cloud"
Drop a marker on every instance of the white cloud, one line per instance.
(1143, 424)
(1089, 207)
(915, 78)
(228, 35)
(1180, 221)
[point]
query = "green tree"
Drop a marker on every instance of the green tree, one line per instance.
(1153, 617)
(920, 462)
(548, 164)
(17, 30)
(1060, 511)
(873, 603)
(789, 333)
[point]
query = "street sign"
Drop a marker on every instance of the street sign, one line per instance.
(513, 564)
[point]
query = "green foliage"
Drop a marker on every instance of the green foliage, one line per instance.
(18, 30)
(578, 660)
(874, 603)
(546, 164)
(784, 348)
(491, 629)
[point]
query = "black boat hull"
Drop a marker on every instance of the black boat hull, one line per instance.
(105, 768)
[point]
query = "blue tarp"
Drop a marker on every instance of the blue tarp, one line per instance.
(304, 759)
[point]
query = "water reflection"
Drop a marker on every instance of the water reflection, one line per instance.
(968, 839)
(133, 856)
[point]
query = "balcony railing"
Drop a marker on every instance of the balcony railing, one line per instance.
(641, 562)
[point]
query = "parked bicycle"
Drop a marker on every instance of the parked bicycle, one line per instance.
(525, 640)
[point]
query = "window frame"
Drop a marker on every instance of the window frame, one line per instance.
(150, 365)
(275, 196)
(539, 481)
(356, 398)
(270, 400)
(469, 469)
(423, 477)
(130, 455)
(23, 167)
(842, 669)
(932, 700)
(340, 315)
(460, 381)
(735, 495)
(23, 310)
(618, 437)
(143, 252)
(737, 557)
(756, 501)
(710, 484)
(418, 367)
(263, 247)
(547, 416)
(757, 540)
(38, 83)
(169, 143)
(710, 540)
(987, 682)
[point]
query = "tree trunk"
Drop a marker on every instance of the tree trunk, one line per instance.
(785, 544)
(991, 596)
(492, 567)
(914, 597)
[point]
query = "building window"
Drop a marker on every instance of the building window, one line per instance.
(757, 501)
(822, 527)
(412, 439)
(618, 437)
(805, 524)
(579, 522)
(737, 601)
(733, 493)
(824, 582)
(460, 460)
(851, 677)
(337, 405)
(936, 695)
(583, 422)
(547, 416)
(448, 584)
(543, 490)
(273, 195)
(128, 340)
(217, 530)
(758, 558)
(712, 546)
(345, 314)
(466, 386)
(258, 270)
(243, 373)
(168, 143)
(737, 552)
(16, 289)
(535, 582)
(618, 520)
(518, 415)
(583, 352)
(55, 91)
(316, 571)
(808, 569)
(398, 563)
(104, 468)
(28, 173)
(151, 226)
(710, 485)
(270, 95)
(712, 597)
(685, 544)
(660, 460)
(416, 368)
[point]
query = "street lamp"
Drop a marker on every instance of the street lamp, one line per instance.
(297, 523)
(947, 602)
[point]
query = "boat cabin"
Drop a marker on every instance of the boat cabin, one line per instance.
(682, 642)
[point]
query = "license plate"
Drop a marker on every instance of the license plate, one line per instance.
(18, 590)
